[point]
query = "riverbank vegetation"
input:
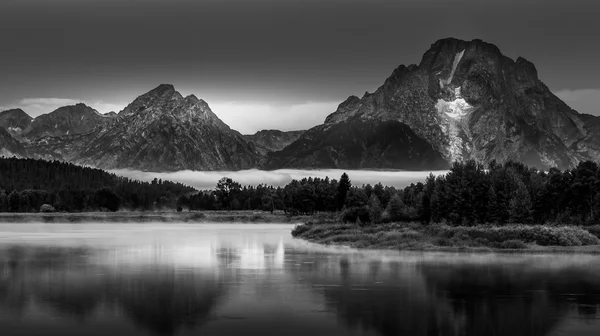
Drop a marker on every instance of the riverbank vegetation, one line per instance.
(505, 205)
(416, 236)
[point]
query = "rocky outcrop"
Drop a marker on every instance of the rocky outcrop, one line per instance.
(272, 140)
(469, 101)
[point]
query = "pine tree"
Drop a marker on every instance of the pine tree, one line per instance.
(520, 205)
(374, 209)
(395, 209)
(343, 187)
(492, 209)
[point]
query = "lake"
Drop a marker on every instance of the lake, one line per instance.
(254, 279)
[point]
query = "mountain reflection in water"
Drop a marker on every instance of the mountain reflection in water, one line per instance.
(251, 279)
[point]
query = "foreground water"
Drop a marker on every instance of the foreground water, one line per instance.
(253, 279)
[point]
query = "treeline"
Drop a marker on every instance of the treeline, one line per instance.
(509, 193)
(306, 196)
(469, 194)
(28, 184)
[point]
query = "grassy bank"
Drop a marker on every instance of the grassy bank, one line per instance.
(414, 236)
(159, 216)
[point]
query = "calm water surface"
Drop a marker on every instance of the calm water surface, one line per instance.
(254, 279)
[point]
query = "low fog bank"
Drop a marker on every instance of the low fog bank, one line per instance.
(208, 179)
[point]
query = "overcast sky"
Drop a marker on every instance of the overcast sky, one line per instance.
(272, 63)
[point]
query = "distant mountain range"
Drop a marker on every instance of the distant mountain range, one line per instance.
(464, 100)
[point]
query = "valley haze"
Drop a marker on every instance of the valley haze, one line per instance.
(205, 180)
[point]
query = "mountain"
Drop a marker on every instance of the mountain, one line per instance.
(358, 144)
(66, 120)
(467, 100)
(164, 131)
(15, 121)
(464, 100)
(10, 146)
(273, 140)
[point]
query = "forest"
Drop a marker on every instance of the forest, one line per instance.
(469, 194)
(30, 185)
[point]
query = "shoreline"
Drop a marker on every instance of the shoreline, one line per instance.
(532, 249)
(157, 216)
(412, 237)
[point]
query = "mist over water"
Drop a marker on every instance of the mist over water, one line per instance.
(255, 279)
(208, 179)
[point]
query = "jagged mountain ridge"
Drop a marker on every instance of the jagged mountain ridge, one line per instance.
(468, 100)
(164, 131)
(464, 100)
(159, 131)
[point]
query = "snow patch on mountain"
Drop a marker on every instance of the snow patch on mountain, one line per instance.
(457, 59)
(455, 109)
(455, 112)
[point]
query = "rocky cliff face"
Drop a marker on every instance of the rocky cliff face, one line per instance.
(15, 121)
(272, 140)
(468, 100)
(67, 120)
(164, 131)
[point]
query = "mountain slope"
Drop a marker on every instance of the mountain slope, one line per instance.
(357, 144)
(10, 146)
(468, 100)
(66, 120)
(164, 131)
(15, 121)
(272, 140)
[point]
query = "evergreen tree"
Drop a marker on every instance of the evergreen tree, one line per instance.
(395, 209)
(520, 205)
(493, 210)
(14, 202)
(374, 209)
(3, 201)
(343, 188)
(356, 197)
(106, 198)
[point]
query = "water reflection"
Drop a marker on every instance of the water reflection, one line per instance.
(158, 299)
(230, 280)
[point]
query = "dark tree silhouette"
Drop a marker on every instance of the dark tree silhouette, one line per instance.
(343, 188)
(27, 184)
